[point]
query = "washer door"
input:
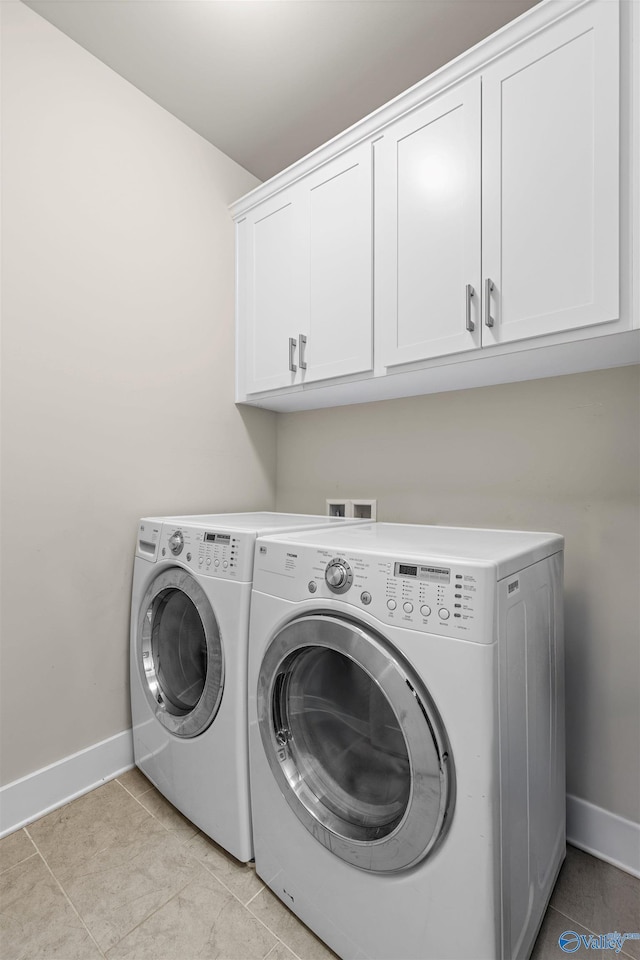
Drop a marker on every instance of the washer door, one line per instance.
(180, 653)
(355, 743)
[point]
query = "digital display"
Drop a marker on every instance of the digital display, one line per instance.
(217, 537)
(423, 572)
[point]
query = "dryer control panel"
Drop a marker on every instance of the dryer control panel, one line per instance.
(429, 595)
(207, 552)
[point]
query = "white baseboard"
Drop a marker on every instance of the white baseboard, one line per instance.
(604, 834)
(31, 797)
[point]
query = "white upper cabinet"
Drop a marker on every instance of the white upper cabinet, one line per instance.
(550, 172)
(272, 284)
(481, 228)
(305, 275)
(428, 229)
(544, 174)
(340, 218)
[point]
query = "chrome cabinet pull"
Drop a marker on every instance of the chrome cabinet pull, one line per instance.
(469, 294)
(293, 343)
(488, 290)
(303, 344)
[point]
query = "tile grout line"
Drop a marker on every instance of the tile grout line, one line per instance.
(24, 859)
(279, 939)
(183, 843)
(152, 914)
(19, 863)
(151, 814)
(275, 947)
(65, 894)
(214, 875)
(133, 794)
(223, 884)
(250, 912)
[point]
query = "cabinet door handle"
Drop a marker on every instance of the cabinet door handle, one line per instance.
(293, 343)
(303, 343)
(470, 293)
(488, 290)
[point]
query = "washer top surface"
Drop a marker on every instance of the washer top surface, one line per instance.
(504, 549)
(262, 523)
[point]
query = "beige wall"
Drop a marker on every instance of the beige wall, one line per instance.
(559, 454)
(117, 349)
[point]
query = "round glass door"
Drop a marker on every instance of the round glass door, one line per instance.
(355, 743)
(180, 653)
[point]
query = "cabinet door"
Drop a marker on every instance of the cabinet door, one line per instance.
(272, 275)
(339, 207)
(550, 178)
(428, 229)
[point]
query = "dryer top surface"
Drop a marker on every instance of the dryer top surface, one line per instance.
(507, 550)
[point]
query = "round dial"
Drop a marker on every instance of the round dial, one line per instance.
(338, 575)
(176, 543)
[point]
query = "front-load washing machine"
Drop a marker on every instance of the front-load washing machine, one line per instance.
(406, 736)
(188, 663)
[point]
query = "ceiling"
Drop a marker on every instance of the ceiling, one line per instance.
(267, 81)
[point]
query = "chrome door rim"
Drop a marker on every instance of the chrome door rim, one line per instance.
(197, 720)
(431, 799)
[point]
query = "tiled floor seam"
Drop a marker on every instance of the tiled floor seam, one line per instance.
(196, 859)
(148, 917)
(65, 895)
(20, 862)
(138, 800)
(222, 883)
(282, 943)
(272, 932)
(136, 796)
(176, 895)
(570, 920)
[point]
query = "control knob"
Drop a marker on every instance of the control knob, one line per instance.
(176, 543)
(338, 575)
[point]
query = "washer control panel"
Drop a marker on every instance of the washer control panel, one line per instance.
(429, 595)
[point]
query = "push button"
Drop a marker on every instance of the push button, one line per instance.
(407, 607)
(365, 596)
(443, 613)
(425, 610)
(391, 604)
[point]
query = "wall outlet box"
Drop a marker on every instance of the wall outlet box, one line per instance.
(364, 509)
(358, 509)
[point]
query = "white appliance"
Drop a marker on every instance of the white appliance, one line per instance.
(406, 736)
(188, 665)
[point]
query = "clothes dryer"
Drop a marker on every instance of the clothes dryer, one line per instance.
(406, 736)
(188, 663)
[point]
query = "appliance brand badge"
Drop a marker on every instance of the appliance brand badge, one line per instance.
(263, 550)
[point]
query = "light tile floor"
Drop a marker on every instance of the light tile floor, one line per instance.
(119, 873)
